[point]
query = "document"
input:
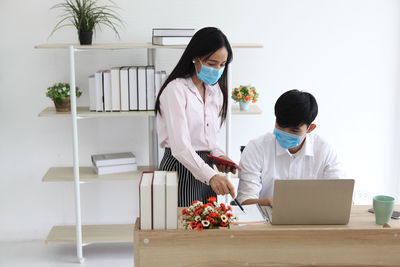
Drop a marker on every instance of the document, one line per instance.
(253, 214)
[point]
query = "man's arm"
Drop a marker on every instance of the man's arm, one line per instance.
(251, 163)
(333, 167)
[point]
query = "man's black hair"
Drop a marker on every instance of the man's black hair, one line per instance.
(295, 108)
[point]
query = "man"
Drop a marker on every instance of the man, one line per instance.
(291, 152)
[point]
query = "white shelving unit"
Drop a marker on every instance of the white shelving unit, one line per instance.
(86, 234)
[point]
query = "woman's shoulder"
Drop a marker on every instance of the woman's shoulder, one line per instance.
(176, 86)
(178, 82)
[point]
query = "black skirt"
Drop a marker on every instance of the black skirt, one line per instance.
(189, 188)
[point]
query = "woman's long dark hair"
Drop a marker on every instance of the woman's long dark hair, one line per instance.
(202, 45)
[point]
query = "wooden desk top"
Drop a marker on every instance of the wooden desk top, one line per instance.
(360, 219)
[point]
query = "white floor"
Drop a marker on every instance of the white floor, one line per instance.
(39, 254)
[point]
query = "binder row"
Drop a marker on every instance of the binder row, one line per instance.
(129, 88)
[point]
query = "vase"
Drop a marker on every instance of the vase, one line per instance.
(85, 38)
(244, 106)
(62, 105)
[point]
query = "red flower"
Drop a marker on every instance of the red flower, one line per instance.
(215, 215)
(229, 215)
(224, 224)
(199, 227)
(212, 199)
(254, 100)
(193, 224)
(198, 212)
(229, 208)
(184, 212)
(211, 220)
(223, 207)
(194, 202)
(246, 98)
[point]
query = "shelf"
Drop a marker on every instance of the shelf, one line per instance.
(66, 174)
(117, 46)
(112, 233)
(253, 110)
(84, 112)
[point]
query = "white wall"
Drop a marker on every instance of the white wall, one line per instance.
(344, 52)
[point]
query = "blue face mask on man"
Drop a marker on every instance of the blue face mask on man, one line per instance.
(287, 140)
(209, 75)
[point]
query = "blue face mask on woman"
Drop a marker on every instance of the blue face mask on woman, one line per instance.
(287, 140)
(210, 75)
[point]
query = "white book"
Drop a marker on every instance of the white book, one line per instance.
(165, 40)
(98, 76)
(142, 96)
(150, 87)
(115, 90)
(113, 159)
(159, 200)
(124, 85)
(173, 32)
(107, 90)
(92, 93)
(163, 77)
(157, 82)
(145, 201)
(171, 200)
(114, 169)
(133, 88)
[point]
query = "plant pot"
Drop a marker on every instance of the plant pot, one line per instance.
(85, 38)
(62, 105)
(244, 106)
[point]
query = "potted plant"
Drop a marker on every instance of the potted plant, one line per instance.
(245, 94)
(60, 94)
(86, 15)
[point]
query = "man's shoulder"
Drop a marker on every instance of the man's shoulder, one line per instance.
(319, 143)
(264, 139)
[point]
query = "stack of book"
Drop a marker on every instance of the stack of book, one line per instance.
(114, 163)
(158, 200)
(166, 36)
(125, 88)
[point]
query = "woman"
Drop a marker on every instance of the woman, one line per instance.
(190, 108)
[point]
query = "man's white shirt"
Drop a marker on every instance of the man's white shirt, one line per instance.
(264, 160)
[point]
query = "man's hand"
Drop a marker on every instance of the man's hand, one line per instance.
(266, 201)
(222, 186)
(225, 168)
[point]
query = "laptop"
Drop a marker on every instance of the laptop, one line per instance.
(321, 201)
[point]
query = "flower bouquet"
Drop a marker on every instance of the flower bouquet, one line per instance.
(210, 215)
(244, 95)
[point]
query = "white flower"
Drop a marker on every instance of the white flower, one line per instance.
(59, 90)
(205, 212)
(205, 223)
(67, 93)
(197, 218)
(224, 218)
(64, 88)
(210, 209)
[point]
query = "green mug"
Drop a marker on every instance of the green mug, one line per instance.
(383, 207)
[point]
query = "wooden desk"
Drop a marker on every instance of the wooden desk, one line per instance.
(360, 243)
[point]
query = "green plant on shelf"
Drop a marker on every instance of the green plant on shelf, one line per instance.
(85, 16)
(60, 91)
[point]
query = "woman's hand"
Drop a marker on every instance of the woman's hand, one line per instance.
(222, 186)
(225, 168)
